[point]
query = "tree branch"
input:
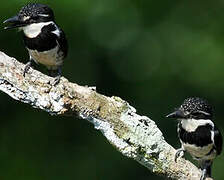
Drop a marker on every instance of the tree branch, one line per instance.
(135, 136)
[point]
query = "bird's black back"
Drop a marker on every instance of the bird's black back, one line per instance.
(62, 42)
(218, 140)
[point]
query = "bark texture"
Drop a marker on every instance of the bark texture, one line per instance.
(133, 135)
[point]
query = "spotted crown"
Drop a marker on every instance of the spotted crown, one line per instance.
(193, 104)
(33, 9)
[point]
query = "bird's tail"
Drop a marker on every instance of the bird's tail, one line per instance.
(209, 169)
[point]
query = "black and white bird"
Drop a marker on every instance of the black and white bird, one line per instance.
(197, 132)
(44, 40)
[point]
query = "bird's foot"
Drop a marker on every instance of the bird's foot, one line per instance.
(56, 80)
(179, 153)
(27, 67)
(56, 74)
(204, 174)
(206, 169)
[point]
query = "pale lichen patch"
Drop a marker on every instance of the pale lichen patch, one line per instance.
(133, 135)
(44, 102)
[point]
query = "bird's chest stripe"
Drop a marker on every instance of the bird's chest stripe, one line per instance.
(41, 43)
(201, 136)
(45, 40)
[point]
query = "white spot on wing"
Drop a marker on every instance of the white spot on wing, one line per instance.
(57, 31)
(212, 136)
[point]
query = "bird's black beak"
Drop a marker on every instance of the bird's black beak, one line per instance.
(14, 22)
(176, 114)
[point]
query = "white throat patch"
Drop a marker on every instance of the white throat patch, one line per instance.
(33, 30)
(191, 125)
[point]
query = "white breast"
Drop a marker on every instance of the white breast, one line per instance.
(191, 125)
(52, 58)
(200, 152)
(34, 29)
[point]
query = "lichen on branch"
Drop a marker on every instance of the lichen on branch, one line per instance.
(133, 135)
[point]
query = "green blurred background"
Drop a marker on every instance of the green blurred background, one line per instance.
(153, 54)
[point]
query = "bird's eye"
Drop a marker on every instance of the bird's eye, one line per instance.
(196, 113)
(200, 114)
(35, 17)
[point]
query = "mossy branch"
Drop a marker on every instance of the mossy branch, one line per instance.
(135, 136)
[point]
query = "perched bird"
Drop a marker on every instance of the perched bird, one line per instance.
(44, 40)
(197, 133)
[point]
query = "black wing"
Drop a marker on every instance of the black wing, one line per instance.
(62, 42)
(217, 140)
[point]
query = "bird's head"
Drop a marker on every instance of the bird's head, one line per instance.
(192, 108)
(29, 14)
